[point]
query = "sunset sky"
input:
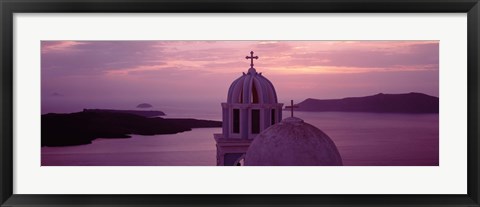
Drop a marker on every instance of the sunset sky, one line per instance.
(122, 74)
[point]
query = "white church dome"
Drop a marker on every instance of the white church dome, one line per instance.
(252, 87)
(292, 142)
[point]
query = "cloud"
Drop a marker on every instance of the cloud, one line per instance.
(97, 57)
(61, 58)
(415, 56)
(58, 46)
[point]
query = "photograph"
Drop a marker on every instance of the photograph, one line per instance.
(240, 103)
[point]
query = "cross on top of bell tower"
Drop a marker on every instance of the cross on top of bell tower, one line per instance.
(251, 57)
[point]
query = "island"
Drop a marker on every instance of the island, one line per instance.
(83, 127)
(379, 103)
(136, 112)
(144, 105)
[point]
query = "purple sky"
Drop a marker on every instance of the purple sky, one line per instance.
(122, 74)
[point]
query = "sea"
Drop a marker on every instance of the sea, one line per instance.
(363, 139)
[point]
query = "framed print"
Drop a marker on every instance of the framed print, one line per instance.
(261, 103)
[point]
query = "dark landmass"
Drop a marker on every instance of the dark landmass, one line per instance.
(380, 103)
(83, 127)
(144, 105)
(135, 112)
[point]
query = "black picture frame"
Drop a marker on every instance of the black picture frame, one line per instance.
(10, 7)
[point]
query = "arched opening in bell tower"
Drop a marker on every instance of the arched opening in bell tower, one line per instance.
(236, 121)
(272, 117)
(255, 121)
(254, 98)
(241, 97)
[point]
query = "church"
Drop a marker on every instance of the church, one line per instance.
(253, 132)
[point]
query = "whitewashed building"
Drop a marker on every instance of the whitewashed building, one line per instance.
(251, 107)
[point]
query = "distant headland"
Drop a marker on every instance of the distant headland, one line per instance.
(83, 127)
(379, 103)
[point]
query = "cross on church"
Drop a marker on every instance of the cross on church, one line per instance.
(251, 57)
(291, 107)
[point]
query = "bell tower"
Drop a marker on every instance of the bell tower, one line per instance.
(251, 107)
